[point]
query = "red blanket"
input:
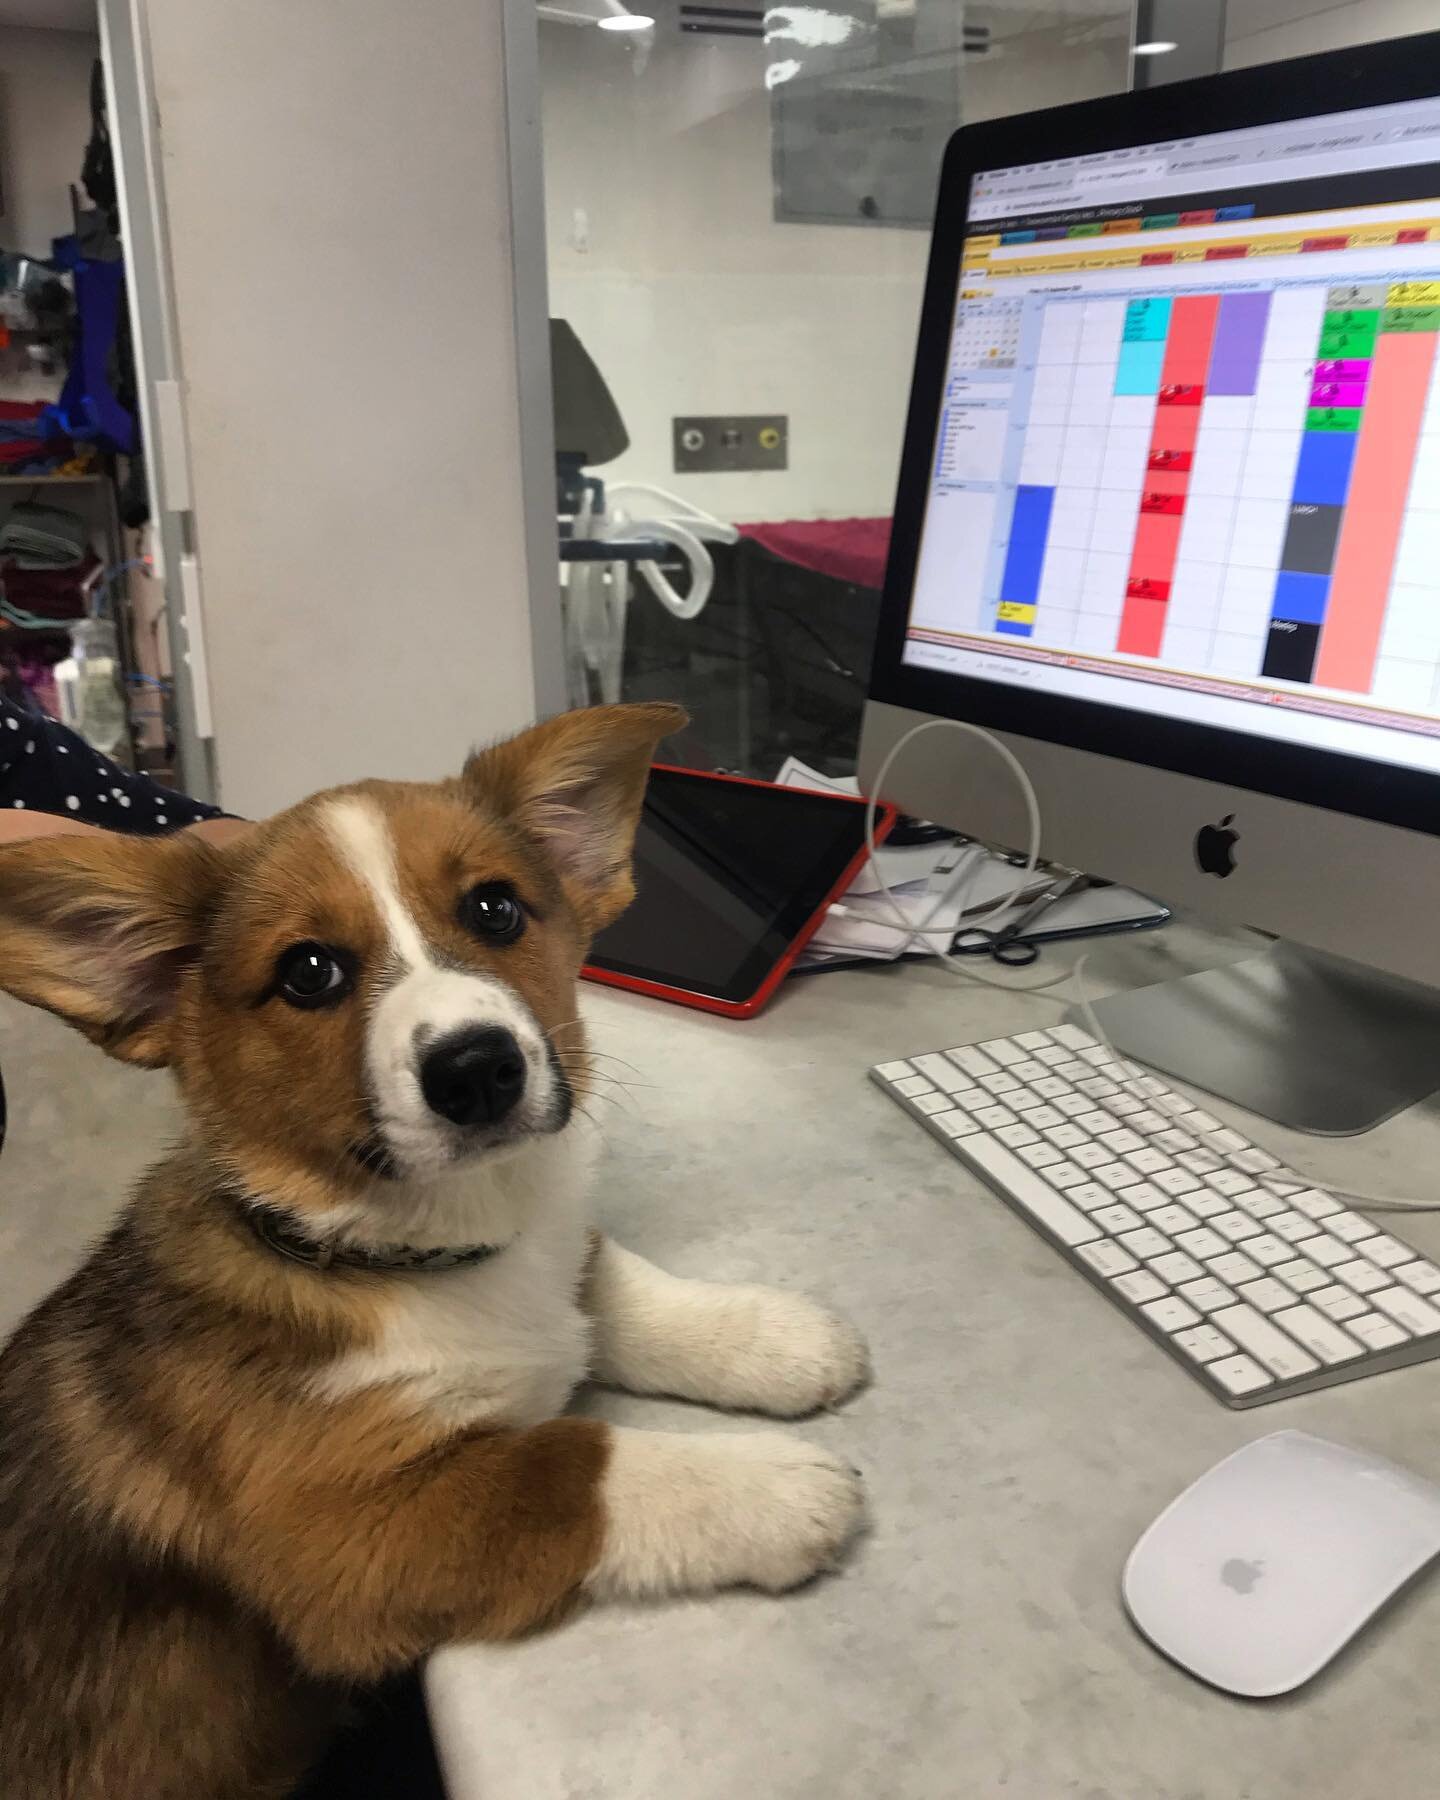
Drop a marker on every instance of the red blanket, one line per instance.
(852, 550)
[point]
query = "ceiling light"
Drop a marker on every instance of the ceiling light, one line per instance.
(627, 21)
(1159, 47)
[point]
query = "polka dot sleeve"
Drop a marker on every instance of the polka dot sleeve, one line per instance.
(47, 768)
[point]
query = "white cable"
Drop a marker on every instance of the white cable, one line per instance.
(958, 965)
(1283, 1176)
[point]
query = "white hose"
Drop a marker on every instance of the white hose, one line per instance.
(688, 534)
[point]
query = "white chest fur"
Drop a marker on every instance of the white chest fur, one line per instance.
(501, 1343)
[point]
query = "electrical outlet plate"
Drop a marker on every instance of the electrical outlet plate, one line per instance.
(730, 442)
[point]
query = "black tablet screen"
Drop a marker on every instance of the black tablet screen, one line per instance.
(727, 874)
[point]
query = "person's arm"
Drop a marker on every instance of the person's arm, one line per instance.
(53, 784)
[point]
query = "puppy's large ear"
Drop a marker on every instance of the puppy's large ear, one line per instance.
(100, 930)
(576, 783)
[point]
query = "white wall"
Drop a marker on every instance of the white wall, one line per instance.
(337, 187)
(665, 257)
(44, 128)
(1261, 31)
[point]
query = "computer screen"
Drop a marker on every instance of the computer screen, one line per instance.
(1188, 456)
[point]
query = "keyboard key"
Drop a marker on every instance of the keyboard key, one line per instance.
(1271, 1348)
(1115, 1176)
(1097, 1087)
(1028, 1192)
(1383, 1251)
(1303, 1276)
(894, 1071)
(1072, 1037)
(1045, 1118)
(1090, 1195)
(1170, 1314)
(1065, 1136)
(1175, 1141)
(1068, 1101)
(1033, 1040)
(1377, 1332)
(1146, 1242)
(993, 1117)
(1348, 1225)
(1206, 1205)
(1174, 1218)
(1226, 1139)
(971, 1060)
(1229, 1181)
(1175, 1266)
(1122, 1142)
(1268, 1250)
(1151, 1086)
(1364, 1277)
(1023, 1101)
(1029, 1071)
(1117, 1218)
(1207, 1295)
(943, 1073)
(1424, 1277)
(1258, 1162)
(1015, 1136)
(1139, 1287)
(1236, 1226)
(1235, 1268)
(954, 1124)
(931, 1102)
(1267, 1295)
(1051, 1087)
(1073, 1070)
(913, 1085)
(1148, 1160)
(1238, 1375)
(1004, 1051)
(1097, 1056)
(1407, 1309)
(1314, 1204)
(1145, 1197)
(1090, 1155)
(1107, 1258)
(1066, 1177)
(1338, 1303)
(1034, 1155)
(1150, 1122)
(1264, 1206)
(1199, 1162)
(1294, 1227)
(1126, 1106)
(1052, 1056)
(1196, 1120)
(1319, 1336)
(1177, 1182)
(999, 1084)
(1203, 1243)
(1095, 1120)
(1329, 1252)
(1204, 1343)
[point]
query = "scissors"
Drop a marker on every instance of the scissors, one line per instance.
(1007, 946)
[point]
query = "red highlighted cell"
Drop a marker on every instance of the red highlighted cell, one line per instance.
(1206, 216)
(1155, 500)
(1227, 252)
(1142, 587)
(1412, 235)
(1175, 462)
(1142, 627)
(1153, 258)
(1326, 243)
(1180, 393)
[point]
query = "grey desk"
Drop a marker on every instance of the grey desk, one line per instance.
(1019, 1435)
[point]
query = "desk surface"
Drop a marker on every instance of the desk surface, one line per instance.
(1019, 1435)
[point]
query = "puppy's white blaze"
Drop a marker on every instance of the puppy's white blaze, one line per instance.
(428, 1001)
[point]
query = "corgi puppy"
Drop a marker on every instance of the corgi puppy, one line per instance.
(298, 1420)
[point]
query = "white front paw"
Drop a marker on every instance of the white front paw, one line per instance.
(787, 1356)
(691, 1514)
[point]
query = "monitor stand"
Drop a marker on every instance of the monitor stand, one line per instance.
(1308, 1040)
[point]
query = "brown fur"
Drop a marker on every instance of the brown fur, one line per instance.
(198, 1555)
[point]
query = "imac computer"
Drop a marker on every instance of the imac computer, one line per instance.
(1168, 524)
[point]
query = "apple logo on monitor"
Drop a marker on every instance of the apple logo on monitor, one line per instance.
(1215, 847)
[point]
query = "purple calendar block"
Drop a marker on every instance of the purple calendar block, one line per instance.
(1347, 369)
(1337, 393)
(1239, 335)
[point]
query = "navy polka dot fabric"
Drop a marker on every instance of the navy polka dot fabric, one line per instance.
(47, 768)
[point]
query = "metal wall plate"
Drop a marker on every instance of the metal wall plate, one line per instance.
(727, 443)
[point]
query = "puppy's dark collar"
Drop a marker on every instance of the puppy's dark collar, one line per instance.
(276, 1232)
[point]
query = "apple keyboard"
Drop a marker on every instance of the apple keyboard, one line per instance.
(1261, 1284)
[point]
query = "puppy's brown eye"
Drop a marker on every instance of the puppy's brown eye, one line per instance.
(492, 912)
(309, 975)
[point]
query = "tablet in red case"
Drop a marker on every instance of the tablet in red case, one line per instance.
(732, 879)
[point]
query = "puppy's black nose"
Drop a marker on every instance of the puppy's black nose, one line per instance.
(473, 1077)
